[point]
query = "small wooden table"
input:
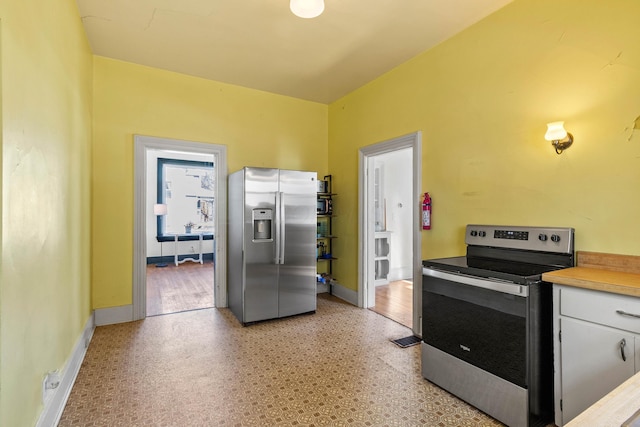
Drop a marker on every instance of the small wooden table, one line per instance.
(176, 238)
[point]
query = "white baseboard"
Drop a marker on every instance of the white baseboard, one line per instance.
(322, 288)
(400, 273)
(56, 399)
(113, 315)
(346, 294)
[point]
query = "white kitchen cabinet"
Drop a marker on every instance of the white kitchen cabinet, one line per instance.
(382, 251)
(594, 363)
(595, 346)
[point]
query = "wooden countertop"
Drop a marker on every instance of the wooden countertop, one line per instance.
(619, 274)
(613, 409)
(597, 279)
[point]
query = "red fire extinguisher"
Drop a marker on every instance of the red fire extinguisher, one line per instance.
(426, 212)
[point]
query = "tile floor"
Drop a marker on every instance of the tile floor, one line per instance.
(337, 367)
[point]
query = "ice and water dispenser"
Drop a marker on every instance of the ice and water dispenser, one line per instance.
(262, 219)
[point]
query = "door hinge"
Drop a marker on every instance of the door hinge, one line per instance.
(561, 404)
(560, 336)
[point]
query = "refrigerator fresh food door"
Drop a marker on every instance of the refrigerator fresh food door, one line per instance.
(297, 248)
(261, 272)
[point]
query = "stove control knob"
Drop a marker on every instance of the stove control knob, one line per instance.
(555, 238)
(482, 233)
(474, 233)
(542, 237)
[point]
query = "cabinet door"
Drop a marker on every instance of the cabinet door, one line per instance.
(592, 363)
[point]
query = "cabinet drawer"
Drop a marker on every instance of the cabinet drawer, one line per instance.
(601, 307)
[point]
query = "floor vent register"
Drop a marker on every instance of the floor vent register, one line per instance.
(407, 341)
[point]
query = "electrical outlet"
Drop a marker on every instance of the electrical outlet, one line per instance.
(50, 382)
(193, 250)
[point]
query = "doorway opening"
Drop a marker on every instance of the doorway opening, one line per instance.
(389, 213)
(179, 221)
(180, 231)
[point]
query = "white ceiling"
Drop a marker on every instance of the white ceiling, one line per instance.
(260, 44)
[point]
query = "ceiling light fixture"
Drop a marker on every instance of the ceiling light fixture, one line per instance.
(307, 8)
(559, 137)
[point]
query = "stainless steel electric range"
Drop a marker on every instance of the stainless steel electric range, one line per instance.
(487, 320)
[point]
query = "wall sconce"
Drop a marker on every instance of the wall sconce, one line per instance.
(559, 137)
(306, 8)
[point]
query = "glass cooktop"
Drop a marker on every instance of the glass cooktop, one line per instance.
(517, 272)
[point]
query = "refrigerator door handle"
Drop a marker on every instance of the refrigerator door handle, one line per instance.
(281, 220)
(277, 227)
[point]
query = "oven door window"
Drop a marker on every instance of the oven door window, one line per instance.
(483, 327)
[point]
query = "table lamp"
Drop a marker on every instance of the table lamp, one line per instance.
(160, 209)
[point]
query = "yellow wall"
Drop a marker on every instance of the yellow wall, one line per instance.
(482, 100)
(46, 69)
(258, 128)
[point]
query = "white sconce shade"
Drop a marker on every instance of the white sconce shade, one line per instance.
(559, 137)
(307, 8)
(555, 131)
(160, 209)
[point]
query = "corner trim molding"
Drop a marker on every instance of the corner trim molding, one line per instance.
(55, 400)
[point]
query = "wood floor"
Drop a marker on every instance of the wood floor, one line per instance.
(395, 301)
(172, 289)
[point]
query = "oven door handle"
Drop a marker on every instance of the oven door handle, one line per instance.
(494, 285)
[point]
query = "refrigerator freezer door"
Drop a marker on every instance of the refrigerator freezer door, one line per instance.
(297, 271)
(261, 273)
(235, 246)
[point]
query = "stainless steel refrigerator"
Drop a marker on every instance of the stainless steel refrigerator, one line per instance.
(272, 243)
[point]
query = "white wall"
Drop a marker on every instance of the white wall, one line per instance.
(168, 248)
(396, 186)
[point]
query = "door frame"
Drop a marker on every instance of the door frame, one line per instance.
(366, 219)
(142, 144)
